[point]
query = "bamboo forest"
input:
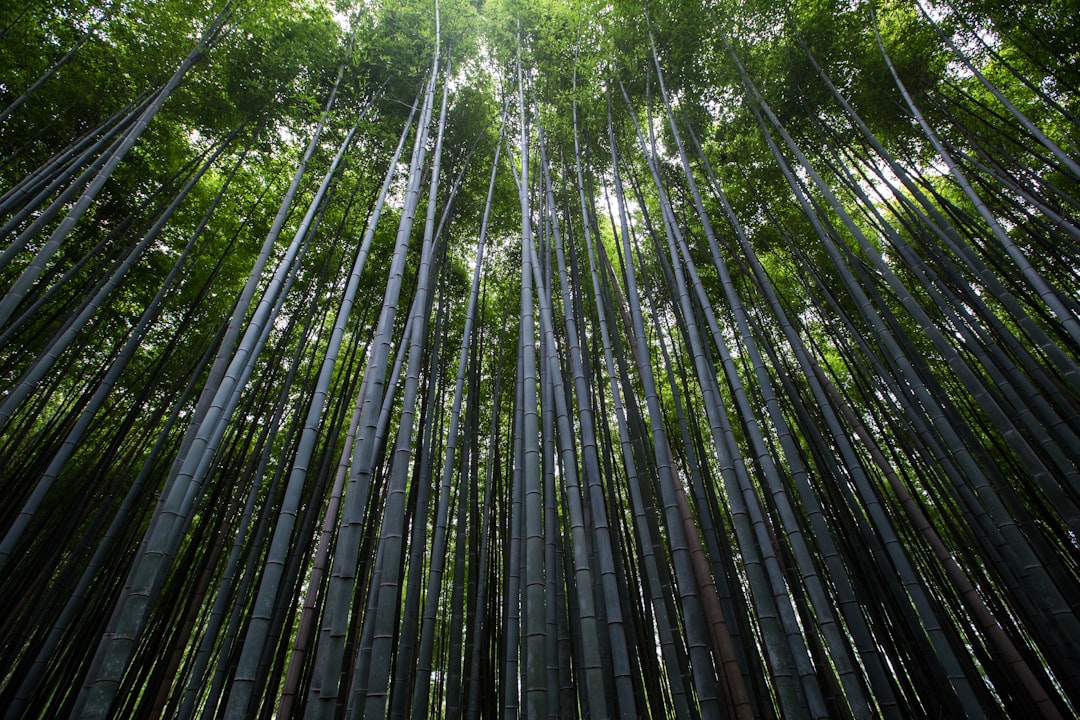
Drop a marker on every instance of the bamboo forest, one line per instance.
(540, 359)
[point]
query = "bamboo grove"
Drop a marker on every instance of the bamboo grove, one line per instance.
(491, 359)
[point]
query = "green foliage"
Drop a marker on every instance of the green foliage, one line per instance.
(276, 62)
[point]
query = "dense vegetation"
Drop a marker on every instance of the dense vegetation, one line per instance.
(556, 359)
